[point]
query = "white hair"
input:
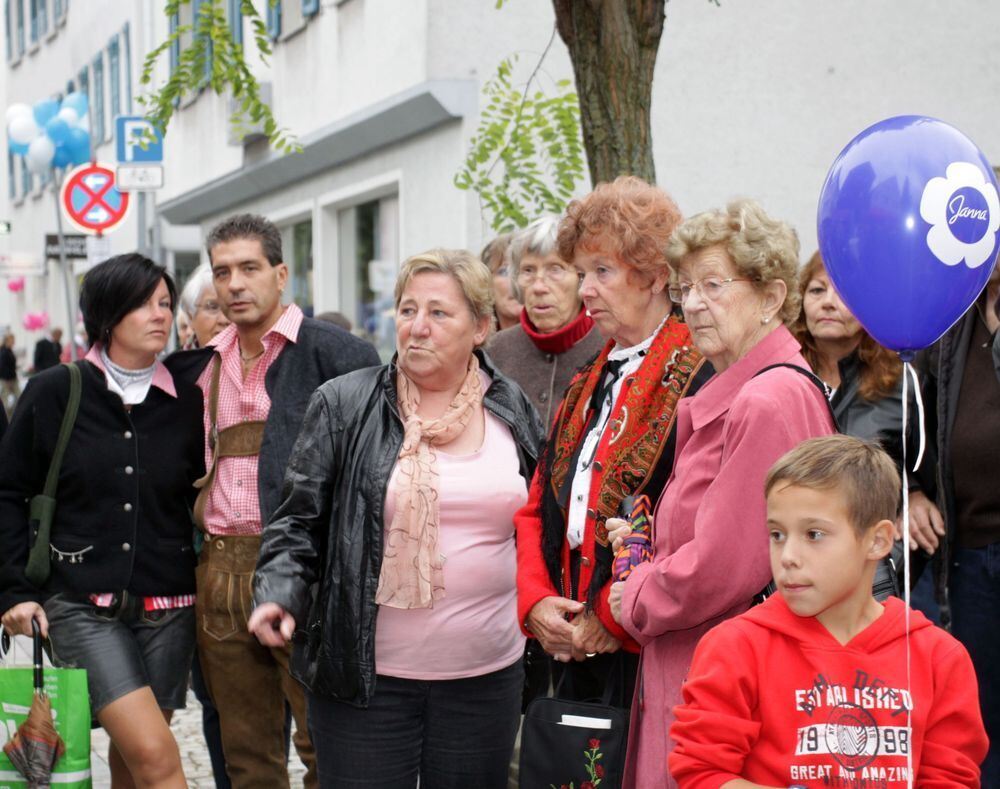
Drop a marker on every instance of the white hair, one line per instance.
(539, 238)
(200, 279)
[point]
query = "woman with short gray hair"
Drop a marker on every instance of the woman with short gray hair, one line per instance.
(200, 304)
(555, 336)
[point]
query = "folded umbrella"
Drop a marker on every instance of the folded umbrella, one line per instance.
(36, 746)
(637, 547)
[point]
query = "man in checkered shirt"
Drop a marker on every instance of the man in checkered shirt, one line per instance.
(257, 376)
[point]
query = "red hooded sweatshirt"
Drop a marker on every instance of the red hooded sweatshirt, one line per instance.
(773, 698)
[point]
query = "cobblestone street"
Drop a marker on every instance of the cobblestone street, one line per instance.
(186, 726)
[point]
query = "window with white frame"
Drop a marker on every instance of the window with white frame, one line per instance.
(26, 179)
(39, 20)
(8, 29)
(368, 237)
(114, 79)
(97, 99)
(235, 16)
(11, 179)
(19, 15)
(127, 66)
(297, 243)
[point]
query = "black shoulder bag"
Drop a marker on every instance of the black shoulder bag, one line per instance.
(43, 506)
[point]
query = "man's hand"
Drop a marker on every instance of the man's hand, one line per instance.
(590, 637)
(17, 619)
(926, 523)
(272, 625)
(547, 622)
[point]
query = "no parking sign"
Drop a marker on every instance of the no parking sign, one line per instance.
(91, 200)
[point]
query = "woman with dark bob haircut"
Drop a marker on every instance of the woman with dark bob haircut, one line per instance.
(119, 589)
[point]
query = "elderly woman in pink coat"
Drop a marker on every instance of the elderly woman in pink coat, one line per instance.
(734, 275)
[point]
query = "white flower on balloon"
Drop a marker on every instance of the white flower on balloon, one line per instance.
(963, 210)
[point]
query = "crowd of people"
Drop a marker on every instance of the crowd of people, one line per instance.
(379, 564)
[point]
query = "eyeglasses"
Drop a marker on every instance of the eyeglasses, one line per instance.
(550, 272)
(211, 307)
(709, 288)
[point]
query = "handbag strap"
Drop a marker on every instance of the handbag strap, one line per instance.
(818, 382)
(65, 429)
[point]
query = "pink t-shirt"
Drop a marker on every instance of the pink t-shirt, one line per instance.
(473, 630)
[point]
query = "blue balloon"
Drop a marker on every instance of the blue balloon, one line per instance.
(76, 101)
(63, 156)
(78, 145)
(17, 147)
(44, 111)
(58, 130)
(909, 229)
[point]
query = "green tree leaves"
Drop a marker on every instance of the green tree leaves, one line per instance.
(526, 156)
(209, 57)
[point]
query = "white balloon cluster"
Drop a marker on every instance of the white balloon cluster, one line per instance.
(50, 134)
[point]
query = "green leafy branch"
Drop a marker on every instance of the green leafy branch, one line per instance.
(213, 58)
(533, 140)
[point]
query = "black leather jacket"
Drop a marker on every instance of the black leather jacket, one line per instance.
(321, 553)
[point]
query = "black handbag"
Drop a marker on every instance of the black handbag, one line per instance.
(42, 507)
(570, 743)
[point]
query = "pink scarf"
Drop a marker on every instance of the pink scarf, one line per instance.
(412, 569)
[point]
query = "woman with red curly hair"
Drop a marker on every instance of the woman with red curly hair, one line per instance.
(612, 435)
(866, 378)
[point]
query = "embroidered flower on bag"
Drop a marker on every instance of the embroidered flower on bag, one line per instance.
(963, 210)
(594, 770)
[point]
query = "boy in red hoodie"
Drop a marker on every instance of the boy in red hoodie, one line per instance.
(810, 689)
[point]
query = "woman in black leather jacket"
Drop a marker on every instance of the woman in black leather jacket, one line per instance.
(394, 548)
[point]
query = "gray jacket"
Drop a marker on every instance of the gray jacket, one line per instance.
(543, 376)
(869, 419)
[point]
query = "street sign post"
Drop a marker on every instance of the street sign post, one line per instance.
(91, 200)
(137, 141)
(73, 244)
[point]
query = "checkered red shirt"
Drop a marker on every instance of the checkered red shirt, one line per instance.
(233, 506)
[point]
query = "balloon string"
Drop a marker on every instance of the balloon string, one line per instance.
(906, 553)
(922, 445)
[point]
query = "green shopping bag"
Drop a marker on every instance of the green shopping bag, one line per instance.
(67, 692)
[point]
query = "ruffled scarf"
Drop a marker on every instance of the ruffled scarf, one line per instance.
(412, 573)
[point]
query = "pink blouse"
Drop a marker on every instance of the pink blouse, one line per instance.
(473, 630)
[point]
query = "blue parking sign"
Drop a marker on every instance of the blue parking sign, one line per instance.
(131, 132)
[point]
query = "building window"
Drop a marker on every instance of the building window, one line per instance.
(26, 180)
(39, 20)
(83, 80)
(235, 16)
(302, 265)
(11, 181)
(369, 263)
(196, 6)
(98, 98)
(58, 10)
(8, 29)
(274, 19)
(175, 47)
(310, 7)
(114, 76)
(127, 67)
(19, 12)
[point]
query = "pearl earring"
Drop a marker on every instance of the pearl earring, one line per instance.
(764, 320)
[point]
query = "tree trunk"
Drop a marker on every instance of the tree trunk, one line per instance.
(613, 46)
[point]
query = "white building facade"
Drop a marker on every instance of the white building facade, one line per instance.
(383, 95)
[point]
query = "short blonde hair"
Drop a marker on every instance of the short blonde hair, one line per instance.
(762, 249)
(473, 278)
(860, 470)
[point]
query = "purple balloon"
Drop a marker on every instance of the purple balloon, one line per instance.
(909, 229)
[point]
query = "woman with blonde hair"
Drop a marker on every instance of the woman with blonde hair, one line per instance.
(399, 499)
(733, 272)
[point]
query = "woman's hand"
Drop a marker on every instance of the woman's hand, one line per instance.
(547, 622)
(17, 619)
(618, 530)
(272, 625)
(591, 637)
(615, 600)
(926, 523)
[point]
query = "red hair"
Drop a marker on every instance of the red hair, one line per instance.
(627, 217)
